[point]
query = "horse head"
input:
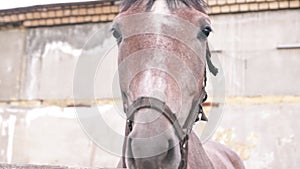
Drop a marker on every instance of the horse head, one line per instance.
(162, 61)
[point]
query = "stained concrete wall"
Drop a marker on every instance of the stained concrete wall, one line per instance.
(12, 55)
(49, 135)
(41, 63)
(251, 61)
(265, 136)
(52, 54)
(42, 59)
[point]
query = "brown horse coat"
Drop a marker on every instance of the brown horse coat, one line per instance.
(211, 155)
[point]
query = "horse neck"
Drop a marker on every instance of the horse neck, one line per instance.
(197, 157)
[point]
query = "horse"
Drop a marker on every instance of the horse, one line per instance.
(163, 54)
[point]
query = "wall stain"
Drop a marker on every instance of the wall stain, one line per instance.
(243, 149)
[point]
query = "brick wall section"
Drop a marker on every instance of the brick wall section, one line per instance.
(105, 11)
(60, 14)
(238, 6)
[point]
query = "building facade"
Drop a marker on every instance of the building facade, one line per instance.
(255, 43)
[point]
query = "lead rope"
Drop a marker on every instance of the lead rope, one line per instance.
(184, 149)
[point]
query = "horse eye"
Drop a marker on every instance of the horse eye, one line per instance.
(116, 34)
(206, 31)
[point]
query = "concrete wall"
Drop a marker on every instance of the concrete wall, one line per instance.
(42, 63)
(49, 135)
(264, 135)
(40, 59)
(11, 65)
(251, 61)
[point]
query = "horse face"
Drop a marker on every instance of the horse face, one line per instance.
(161, 55)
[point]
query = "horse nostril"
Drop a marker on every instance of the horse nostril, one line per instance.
(149, 147)
(148, 164)
(171, 151)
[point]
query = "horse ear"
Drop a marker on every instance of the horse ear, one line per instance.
(210, 65)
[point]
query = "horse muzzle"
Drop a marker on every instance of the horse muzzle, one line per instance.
(156, 145)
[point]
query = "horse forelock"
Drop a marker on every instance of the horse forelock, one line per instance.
(199, 5)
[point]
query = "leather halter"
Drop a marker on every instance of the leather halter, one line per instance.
(160, 106)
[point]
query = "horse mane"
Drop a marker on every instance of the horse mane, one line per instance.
(199, 5)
